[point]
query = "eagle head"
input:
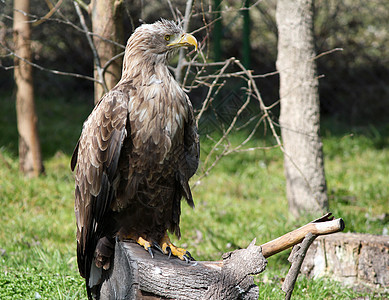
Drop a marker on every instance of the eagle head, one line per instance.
(160, 38)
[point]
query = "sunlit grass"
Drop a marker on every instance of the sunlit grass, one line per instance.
(243, 198)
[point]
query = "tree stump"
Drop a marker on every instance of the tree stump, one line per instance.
(134, 275)
(350, 258)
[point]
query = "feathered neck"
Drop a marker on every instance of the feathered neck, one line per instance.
(140, 63)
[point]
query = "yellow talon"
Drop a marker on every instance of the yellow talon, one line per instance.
(145, 244)
(181, 253)
(166, 246)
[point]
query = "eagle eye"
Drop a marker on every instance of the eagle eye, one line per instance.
(167, 38)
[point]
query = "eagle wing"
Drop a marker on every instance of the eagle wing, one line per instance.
(97, 155)
(191, 153)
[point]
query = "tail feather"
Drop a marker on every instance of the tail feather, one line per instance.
(187, 192)
(95, 276)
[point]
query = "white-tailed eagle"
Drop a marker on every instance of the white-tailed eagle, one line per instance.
(137, 150)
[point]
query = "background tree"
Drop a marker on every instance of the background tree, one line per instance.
(107, 32)
(30, 159)
(107, 23)
(300, 108)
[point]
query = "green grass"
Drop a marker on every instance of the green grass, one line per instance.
(243, 198)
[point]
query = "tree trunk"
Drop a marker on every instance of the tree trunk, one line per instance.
(107, 23)
(300, 109)
(30, 159)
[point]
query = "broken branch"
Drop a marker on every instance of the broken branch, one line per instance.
(296, 236)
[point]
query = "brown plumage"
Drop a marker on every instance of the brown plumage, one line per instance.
(137, 151)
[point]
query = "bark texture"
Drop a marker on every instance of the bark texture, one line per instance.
(300, 109)
(30, 159)
(350, 258)
(107, 23)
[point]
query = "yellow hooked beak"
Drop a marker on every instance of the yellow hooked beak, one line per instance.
(185, 40)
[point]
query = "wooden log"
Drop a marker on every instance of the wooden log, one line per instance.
(134, 275)
(351, 258)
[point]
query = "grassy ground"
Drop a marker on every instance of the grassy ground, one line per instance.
(243, 198)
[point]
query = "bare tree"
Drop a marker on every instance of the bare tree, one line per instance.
(300, 115)
(30, 158)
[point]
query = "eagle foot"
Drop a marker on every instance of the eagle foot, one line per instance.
(145, 244)
(165, 247)
(169, 249)
(103, 252)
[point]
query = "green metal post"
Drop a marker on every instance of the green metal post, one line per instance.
(217, 32)
(246, 35)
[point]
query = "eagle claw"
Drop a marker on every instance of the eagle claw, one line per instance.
(169, 251)
(150, 252)
(188, 257)
(158, 247)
